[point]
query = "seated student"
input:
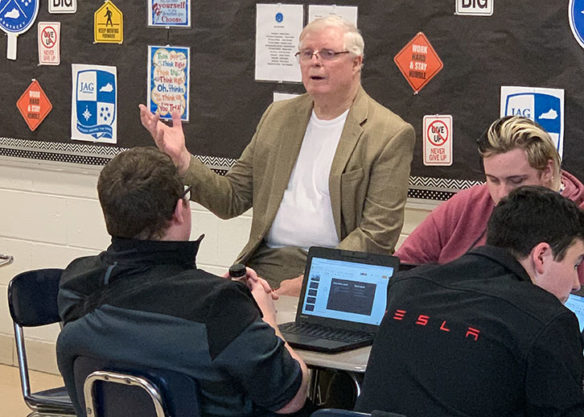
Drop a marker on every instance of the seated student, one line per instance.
(153, 307)
(515, 151)
(487, 334)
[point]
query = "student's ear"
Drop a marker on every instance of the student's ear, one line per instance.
(547, 174)
(178, 216)
(541, 255)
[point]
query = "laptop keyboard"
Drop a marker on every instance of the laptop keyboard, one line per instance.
(323, 332)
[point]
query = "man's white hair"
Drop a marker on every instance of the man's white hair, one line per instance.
(353, 40)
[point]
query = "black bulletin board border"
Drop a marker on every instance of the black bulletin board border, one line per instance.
(419, 187)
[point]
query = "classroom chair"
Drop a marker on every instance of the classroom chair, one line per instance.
(32, 300)
(5, 259)
(107, 389)
(337, 412)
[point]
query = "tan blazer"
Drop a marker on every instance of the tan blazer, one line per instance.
(368, 181)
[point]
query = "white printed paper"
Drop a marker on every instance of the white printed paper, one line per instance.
(283, 96)
(349, 13)
(278, 27)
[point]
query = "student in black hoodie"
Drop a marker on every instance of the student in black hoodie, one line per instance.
(144, 302)
(488, 334)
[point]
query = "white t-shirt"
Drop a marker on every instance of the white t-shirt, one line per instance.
(305, 216)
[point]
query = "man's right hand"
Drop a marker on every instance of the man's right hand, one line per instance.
(291, 286)
(169, 139)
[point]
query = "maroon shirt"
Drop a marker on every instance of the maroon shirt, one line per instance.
(460, 224)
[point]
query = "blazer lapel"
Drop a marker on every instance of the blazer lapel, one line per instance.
(352, 131)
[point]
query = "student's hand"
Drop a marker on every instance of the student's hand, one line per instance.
(291, 286)
(263, 299)
(169, 139)
(252, 276)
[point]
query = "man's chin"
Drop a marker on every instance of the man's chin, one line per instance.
(317, 90)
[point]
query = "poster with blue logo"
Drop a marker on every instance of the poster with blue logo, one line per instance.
(576, 16)
(16, 17)
(94, 103)
(542, 105)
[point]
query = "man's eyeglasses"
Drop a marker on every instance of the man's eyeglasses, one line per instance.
(306, 55)
(187, 193)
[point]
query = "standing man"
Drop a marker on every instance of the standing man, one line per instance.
(515, 151)
(488, 334)
(328, 168)
(144, 303)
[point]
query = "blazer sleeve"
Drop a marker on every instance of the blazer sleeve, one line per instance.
(229, 195)
(382, 217)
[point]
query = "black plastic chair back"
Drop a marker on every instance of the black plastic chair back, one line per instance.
(178, 392)
(32, 300)
(336, 412)
(32, 297)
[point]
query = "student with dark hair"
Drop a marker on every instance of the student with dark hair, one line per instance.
(488, 334)
(143, 302)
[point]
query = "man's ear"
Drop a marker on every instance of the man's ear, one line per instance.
(541, 255)
(547, 174)
(357, 63)
(178, 216)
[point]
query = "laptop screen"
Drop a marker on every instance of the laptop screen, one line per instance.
(346, 290)
(576, 304)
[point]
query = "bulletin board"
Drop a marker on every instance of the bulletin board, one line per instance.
(523, 43)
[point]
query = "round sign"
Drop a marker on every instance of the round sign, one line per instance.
(576, 16)
(49, 37)
(437, 133)
(16, 16)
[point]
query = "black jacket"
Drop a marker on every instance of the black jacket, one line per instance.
(475, 337)
(145, 303)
